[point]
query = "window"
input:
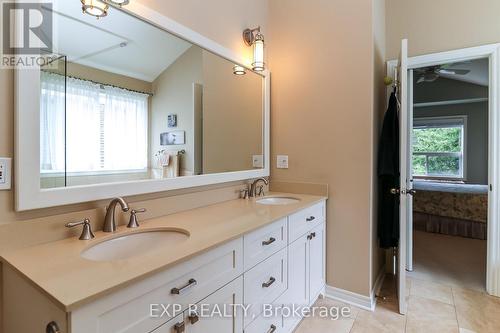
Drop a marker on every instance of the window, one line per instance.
(439, 147)
(108, 126)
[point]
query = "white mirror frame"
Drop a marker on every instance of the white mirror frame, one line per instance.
(30, 196)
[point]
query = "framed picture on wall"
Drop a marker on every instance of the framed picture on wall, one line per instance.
(173, 138)
(172, 120)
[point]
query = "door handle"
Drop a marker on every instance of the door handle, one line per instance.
(178, 291)
(269, 283)
(269, 242)
(395, 191)
(411, 192)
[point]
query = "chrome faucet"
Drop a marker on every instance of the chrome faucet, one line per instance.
(253, 187)
(109, 219)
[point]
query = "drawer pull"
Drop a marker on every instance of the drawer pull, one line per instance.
(193, 318)
(178, 291)
(309, 237)
(272, 329)
(310, 218)
(313, 235)
(269, 242)
(269, 283)
(180, 327)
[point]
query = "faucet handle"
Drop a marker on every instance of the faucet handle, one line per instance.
(133, 222)
(87, 233)
(261, 192)
(244, 193)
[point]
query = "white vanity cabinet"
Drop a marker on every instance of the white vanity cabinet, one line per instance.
(282, 263)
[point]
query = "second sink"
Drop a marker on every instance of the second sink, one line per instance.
(132, 244)
(277, 201)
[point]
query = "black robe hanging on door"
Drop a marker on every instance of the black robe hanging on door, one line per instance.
(388, 177)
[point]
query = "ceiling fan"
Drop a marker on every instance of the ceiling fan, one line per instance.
(432, 73)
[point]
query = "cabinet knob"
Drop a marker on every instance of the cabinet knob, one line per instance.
(272, 329)
(269, 283)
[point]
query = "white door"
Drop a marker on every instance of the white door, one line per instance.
(404, 131)
(316, 262)
(409, 210)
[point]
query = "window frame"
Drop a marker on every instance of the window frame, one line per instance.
(443, 122)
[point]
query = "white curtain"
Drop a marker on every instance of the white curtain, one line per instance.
(52, 122)
(83, 114)
(106, 127)
(125, 130)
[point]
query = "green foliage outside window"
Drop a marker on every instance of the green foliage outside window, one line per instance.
(437, 151)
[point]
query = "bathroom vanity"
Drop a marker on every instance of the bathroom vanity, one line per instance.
(237, 252)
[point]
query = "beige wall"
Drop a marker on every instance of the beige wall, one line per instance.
(322, 59)
(173, 94)
(440, 25)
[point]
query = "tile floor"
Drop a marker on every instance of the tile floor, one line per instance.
(432, 307)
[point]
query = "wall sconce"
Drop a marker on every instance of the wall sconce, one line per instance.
(239, 70)
(95, 8)
(253, 37)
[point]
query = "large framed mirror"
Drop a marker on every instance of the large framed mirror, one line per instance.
(134, 103)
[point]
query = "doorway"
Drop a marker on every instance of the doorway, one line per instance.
(449, 169)
(406, 67)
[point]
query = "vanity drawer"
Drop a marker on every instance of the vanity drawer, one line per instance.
(265, 283)
(261, 244)
(303, 221)
(128, 310)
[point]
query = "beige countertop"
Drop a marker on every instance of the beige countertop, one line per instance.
(58, 270)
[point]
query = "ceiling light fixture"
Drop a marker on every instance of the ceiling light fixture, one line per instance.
(119, 2)
(239, 70)
(253, 37)
(95, 8)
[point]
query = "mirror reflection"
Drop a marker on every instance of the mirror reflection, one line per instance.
(141, 104)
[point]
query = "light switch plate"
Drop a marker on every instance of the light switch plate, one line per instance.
(282, 161)
(5, 173)
(258, 161)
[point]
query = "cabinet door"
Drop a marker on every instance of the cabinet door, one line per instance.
(316, 262)
(215, 313)
(298, 279)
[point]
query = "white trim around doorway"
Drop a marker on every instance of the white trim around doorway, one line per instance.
(493, 54)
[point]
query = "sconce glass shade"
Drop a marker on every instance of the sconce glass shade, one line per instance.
(95, 8)
(119, 2)
(239, 70)
(258, 53)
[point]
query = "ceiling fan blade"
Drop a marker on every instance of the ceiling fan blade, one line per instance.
(454, 71)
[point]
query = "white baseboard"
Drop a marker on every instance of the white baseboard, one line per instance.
(377, 286)
(360, 301)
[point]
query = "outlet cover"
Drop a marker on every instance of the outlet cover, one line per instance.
(282, 161)
(5, 173)
(258, 161)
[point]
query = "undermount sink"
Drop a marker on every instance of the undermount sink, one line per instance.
(132, 244)
(278, 201)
